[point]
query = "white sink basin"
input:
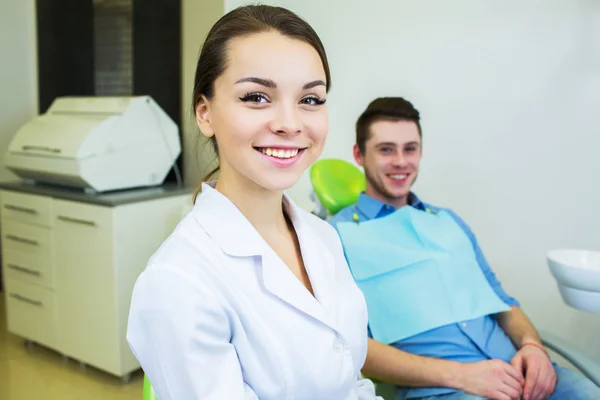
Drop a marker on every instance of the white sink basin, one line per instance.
(577, 273)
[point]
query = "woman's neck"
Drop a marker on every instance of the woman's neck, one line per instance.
(263, 208)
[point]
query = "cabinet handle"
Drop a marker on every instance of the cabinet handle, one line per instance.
(76, 220)
(42, 148)
(22, 240)
(26, 299)
(23, 269)
(20, 209)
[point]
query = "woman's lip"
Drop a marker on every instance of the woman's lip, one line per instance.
(282, 162)
(281, 147)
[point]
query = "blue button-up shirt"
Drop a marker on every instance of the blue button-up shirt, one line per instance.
(465, 341)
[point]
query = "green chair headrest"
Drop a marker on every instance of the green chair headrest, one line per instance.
(337, 183)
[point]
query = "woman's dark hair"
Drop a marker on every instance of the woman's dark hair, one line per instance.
(243, 21)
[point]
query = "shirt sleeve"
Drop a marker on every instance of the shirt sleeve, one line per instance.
(483, 263)
(180, 334)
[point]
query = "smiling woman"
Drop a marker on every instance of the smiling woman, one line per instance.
(251, 296)
(271, 96)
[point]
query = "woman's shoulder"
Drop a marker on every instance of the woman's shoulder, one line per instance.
(188, 251)
(183, 265)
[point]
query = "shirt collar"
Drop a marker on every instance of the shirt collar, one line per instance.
(372, 207)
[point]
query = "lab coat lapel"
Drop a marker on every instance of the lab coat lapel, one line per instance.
(281, 282)
(216, 213)
(319, 265)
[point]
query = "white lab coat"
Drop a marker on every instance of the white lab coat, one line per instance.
(218, 315)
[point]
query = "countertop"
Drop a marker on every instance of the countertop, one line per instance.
(107, 199)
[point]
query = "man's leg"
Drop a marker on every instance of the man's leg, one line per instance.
(572, 385)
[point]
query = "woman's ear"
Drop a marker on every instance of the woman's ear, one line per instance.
(203, 117)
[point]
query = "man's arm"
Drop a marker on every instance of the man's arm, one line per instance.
(531, 358)
(518, 327)
(392, 365)
(490, 379)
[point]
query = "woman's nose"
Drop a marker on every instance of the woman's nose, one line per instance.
(286, 121)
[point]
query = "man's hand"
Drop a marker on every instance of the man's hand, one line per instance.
(540, 377)
(492, 379)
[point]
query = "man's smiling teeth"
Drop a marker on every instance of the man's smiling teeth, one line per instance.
(398, 177)
(279, 153)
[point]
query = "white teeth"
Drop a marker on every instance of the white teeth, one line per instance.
(398, 177)
(279, 153)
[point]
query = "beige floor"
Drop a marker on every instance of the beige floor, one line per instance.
(35, 373)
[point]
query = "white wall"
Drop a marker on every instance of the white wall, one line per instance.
(18, 71)
(509, 94)
(197, 19)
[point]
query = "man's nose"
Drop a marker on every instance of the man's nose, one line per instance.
(399, 160)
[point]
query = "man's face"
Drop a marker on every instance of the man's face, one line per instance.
(391, 160)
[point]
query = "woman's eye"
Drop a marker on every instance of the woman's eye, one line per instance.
(313, 101)
(254, 98)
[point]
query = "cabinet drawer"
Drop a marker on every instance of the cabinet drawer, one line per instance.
(35, 241)
(29, 239)
(31, 312)
(83, 217)
(28, 208)
(28, 267)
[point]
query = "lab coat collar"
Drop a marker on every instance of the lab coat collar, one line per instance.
(214, 211)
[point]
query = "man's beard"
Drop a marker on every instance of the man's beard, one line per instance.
(380, 188)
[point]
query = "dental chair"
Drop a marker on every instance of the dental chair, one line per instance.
(337, 184)
(149, 393)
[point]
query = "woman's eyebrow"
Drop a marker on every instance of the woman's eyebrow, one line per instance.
(269, 83)
(261, 81)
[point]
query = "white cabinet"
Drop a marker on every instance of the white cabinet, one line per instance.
(84, 255)
(70, 267)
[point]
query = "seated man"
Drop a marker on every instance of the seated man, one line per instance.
(442, 327)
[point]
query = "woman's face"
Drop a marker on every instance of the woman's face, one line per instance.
(267, 112)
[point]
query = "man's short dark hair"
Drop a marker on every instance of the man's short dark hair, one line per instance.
(384, 109)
